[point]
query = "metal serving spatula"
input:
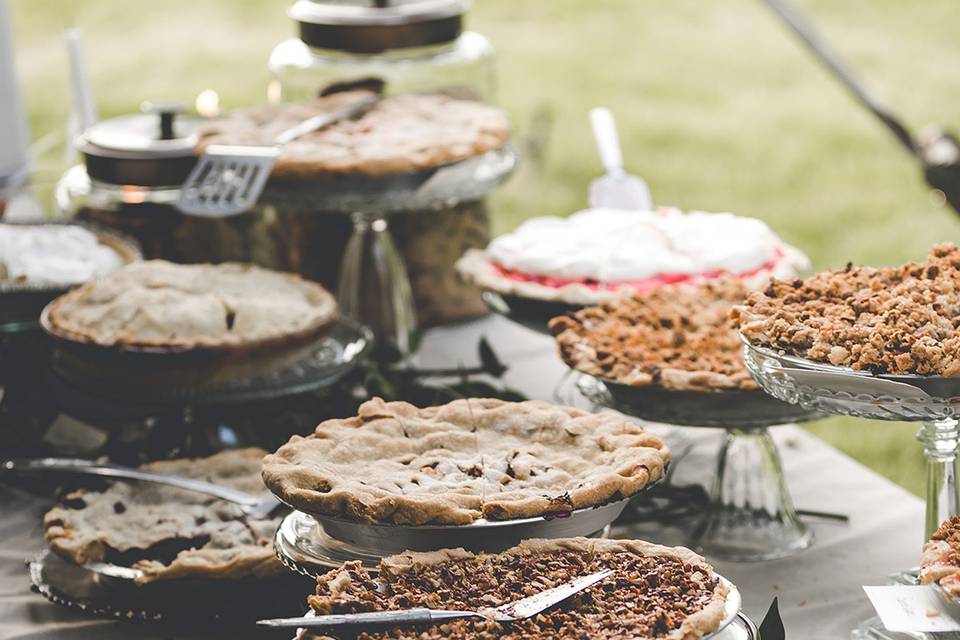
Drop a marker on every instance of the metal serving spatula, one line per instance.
(256, 507)
(616, 189)
(510, 612)
(229, 179)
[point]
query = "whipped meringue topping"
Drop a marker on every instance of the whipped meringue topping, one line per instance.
(53, 254)
(618, 246)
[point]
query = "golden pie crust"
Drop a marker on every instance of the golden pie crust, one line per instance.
(940, 559)
(400, 134)
(655, 593)
(162, 304)
(891, 320)
(463, 461)
(169, 533)
(679, 337)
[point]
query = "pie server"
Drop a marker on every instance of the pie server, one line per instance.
(616, 189)
(229, 179)
(257, 507)
(510, 612)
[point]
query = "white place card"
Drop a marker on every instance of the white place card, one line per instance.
(909, 608)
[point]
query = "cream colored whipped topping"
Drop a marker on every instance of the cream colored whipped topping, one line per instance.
(612, 245)
(53, 254)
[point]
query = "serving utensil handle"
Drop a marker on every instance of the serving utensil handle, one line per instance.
(608, 142)
(322, 120)
(368, 618)
(106, 470)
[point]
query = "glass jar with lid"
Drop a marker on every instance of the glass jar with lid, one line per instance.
(407, 45)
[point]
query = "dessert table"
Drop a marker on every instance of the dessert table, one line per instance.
(819, 589)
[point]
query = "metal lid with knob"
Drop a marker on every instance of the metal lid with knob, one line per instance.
(150, 149)
(375, 26)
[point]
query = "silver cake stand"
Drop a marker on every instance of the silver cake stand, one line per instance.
(373, 285)
(931, 400)
(752, 516)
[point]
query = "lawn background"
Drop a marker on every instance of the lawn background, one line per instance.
(718, 109)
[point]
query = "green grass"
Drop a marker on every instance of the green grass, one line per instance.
(718, 109)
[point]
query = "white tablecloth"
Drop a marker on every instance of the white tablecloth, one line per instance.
(819, 589)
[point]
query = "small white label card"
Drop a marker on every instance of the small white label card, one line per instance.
(909, 608)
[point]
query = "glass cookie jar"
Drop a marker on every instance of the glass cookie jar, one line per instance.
(405, 46)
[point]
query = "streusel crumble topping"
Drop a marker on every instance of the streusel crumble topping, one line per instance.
(892, 320)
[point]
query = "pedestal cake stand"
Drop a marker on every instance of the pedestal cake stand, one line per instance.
(752, 516)
(373, 285)
(932, 400)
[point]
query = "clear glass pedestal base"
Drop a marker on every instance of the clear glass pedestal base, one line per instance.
(873, 629)
(752, 517)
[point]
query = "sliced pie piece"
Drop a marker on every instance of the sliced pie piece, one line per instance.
(679, 337)
(169, 533)
(655, 593)
(466, 460)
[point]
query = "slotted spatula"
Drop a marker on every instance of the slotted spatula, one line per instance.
(616, 189)
(229, 179)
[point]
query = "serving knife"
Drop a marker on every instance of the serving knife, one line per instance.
(255, 506)
(510, 612)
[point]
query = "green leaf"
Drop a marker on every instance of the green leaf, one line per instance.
(491, 363)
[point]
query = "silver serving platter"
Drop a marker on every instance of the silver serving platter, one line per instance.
(851, 392)
(734, 626)
(733, 409)
(312, 544)
(425, 189)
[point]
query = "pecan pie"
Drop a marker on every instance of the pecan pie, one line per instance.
(893, 320)
(940, 559)
(169, 533)
(466, 460)
(655, 593)
(601, 254)
(161, 304)
(400, 134)
(679, 337)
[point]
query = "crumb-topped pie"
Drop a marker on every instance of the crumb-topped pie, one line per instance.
(463, 461)
(892, 320)
(940, 559)
(600, 254)
(399, 134)
(162, 304)
(679, 337)
(169, 533)
(656, 592)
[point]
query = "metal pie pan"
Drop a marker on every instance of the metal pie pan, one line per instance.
(733, 409)
(529, 312)
(734, 626)
(425, 189)
(207, 376)
(311, 543)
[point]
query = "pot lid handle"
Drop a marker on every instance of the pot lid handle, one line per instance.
(167, 112)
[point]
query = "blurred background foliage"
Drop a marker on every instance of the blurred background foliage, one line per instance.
(718, 108)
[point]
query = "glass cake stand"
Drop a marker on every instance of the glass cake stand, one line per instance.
(373, 285)
(932, 400)
(752, 517)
